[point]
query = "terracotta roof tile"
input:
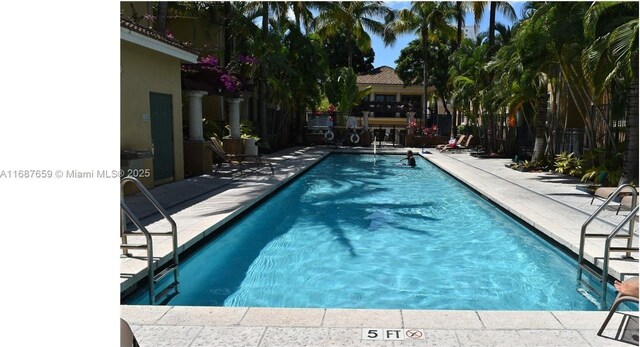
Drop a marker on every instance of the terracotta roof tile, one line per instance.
(128, 24)
(380, 75)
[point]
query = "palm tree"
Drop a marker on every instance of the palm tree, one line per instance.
(478, 10)
(302, 15)
(428, 20)
(614, 28)
(504, 7)
(523, 79)
(353, 17)
(466, 77)
(562, 22)
(264, 73)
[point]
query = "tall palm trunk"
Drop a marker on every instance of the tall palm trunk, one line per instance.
(459, 19)
(161, 23)
(264, 73)
(228, 44)
(541, 120)
(425, 73)
(630, 165)
(491, 124)
(349, 50)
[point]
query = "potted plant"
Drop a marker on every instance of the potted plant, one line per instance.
(249, 137)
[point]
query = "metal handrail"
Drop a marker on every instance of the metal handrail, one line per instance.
(583, 231)
(147, 235)
(607, 245)
(159, 208)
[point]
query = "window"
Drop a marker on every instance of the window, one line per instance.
(385, 98)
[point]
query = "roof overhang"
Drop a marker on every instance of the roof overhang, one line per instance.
(155, 45)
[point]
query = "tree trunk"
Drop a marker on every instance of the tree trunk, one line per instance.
(630, 164)
(459, 18)
(300, 115)
(492, 24)
(541, 119)
(453, 117)
(264, 73)
(228, 45)
(491, 124)
(425, 73)
(553, 115)
(349, 50)
(161, 23)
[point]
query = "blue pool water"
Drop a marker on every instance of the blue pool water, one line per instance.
(358, 231)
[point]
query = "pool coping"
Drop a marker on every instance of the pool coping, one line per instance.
(259, 326)
(173, 326)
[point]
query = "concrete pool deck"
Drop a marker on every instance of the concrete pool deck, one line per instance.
(549, 202)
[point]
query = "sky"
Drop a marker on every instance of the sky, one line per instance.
(388, 55)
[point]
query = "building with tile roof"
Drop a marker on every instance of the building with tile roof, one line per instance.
(391, 105)
(151, 117)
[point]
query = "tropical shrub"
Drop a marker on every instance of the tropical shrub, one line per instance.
(567, 164)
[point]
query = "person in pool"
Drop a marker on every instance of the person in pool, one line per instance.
(411, 161)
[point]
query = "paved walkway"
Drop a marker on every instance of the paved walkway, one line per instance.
(549, 202)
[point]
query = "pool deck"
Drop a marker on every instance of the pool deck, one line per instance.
(547, 201)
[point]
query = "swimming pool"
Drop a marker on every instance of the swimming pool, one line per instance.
(358, 231)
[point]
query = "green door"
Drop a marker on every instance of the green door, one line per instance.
(162, 136)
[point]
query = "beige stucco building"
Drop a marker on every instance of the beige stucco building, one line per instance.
(151, 139)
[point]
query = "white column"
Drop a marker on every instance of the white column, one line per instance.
(398, 100)
(372, 97)
(234, 116)
(195, 114)
(365, 119)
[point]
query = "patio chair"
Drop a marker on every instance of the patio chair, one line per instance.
(222, 157)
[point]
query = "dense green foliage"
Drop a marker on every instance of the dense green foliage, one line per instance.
(567, 55)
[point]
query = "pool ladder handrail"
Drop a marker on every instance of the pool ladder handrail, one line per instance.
(630, 218)
(153, 278)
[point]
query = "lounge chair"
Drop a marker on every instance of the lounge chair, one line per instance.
(626, 201)
(604, 192)
(458, 145)
(619, 300)
(466, 145)
(222, 157)
(444, 145)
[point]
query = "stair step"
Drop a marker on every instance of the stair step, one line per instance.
(154, 233)
(133, 246)
(164, 292)
(162, 274)
(596, 274)
(590, 288)
(617, 236)
(623, 249)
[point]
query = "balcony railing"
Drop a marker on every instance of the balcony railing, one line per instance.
(395, 106)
